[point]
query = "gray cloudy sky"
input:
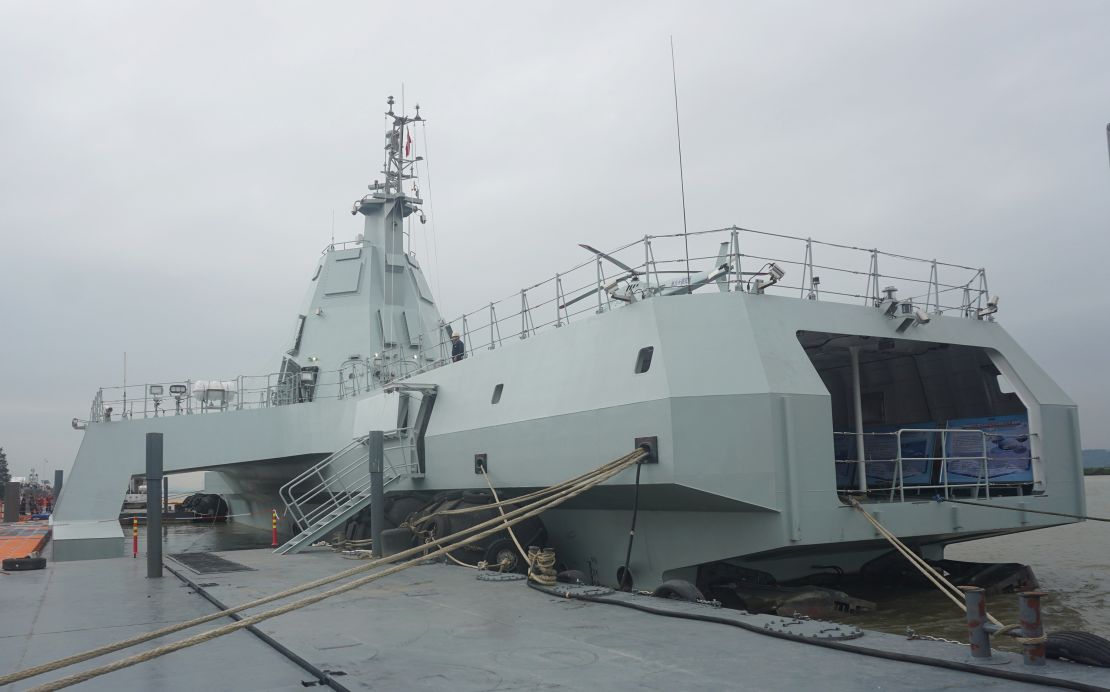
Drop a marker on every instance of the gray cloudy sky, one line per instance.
(168, 171)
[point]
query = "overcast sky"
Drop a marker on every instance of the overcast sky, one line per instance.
(169, 171)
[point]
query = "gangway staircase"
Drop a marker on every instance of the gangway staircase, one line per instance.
(324, 496)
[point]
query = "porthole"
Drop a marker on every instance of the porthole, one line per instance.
(497, 394)
(643, 359)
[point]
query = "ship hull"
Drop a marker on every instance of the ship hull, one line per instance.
(742, 410)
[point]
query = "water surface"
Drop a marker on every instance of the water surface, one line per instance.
(1072, 564)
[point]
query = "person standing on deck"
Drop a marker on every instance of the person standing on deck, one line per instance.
(458, 350)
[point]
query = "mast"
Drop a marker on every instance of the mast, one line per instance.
(387, 200)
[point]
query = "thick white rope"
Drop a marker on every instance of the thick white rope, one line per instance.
(444, 545)
(946, 587)
(308, 586)
(512, 534)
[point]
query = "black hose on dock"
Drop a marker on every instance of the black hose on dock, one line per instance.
(839, 646)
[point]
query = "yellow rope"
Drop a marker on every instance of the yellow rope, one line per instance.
(543, 492)
(512, 534)
(542, 566)
(444, 545)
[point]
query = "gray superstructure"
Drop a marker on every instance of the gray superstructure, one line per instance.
(765, 402)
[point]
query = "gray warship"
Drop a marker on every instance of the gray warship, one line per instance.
(772, 377)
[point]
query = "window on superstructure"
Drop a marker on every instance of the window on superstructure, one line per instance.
(643, 359)
(497, 394)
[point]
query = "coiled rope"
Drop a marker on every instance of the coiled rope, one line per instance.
(541, 569)
(554, 496)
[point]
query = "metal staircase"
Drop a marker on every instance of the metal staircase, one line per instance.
(324, 496)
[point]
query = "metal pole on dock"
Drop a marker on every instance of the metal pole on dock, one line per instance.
(375, 442)
(58, 476)
(11, 502)
(153, 505)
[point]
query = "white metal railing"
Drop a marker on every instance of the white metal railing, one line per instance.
(849, 274)
(895, 483)
(815, 271)
(343, 476)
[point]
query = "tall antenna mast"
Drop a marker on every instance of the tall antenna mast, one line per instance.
(681, 175)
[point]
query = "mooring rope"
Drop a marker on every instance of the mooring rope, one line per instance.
(501, 510)
(541, 566)
(571, 489)
(946, 587)
(1023, 509)
(639, 453)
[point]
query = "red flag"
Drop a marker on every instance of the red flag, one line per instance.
(408, 141)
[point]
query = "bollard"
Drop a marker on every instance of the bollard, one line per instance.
(376, 453)
(979, 639)
(153, 505)
(1029, 612)
(134, 537)
(273, 521)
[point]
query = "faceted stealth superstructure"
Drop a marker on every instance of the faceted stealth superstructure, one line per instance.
(765, 404)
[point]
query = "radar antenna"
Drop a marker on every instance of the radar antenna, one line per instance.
(398, 149)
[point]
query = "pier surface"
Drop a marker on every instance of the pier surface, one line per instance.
(433, 627)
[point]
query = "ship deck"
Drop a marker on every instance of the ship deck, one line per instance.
(436, 627)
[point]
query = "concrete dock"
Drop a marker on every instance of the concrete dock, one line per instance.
(434, 627)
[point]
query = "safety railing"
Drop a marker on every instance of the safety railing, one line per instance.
(730, 259)
(182, 397)
(344, 475)
(661, 265)
(954, 470)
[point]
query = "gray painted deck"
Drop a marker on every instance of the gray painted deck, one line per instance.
(434, 627)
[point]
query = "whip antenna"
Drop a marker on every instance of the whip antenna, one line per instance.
(681, 176)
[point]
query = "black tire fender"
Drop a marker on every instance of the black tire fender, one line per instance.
(571, 576)
(1080, 647)
(395, 541)
(679, 590)
(503, 547)
(477, 497)
(22, 564)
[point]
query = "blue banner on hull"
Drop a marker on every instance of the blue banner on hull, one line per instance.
(1007, 449)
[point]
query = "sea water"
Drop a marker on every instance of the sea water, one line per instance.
(1072, 564)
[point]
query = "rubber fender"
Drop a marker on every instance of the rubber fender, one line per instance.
(477, 497)
(571, 576)
(396, 540)
(1080, 647)
(679, 590)
(21, 564)
(504, 546)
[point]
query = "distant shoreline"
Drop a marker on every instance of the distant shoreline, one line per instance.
(1101, 471)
